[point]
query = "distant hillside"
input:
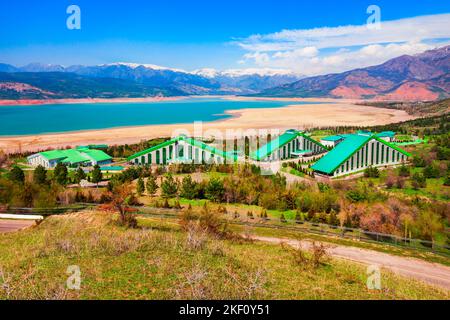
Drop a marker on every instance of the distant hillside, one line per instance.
(163, 80)
(421, 77)
(58, 85)
(418, 108)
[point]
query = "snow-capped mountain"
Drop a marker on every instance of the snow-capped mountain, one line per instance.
(197, 82)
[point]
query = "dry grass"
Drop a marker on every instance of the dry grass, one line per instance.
(159, 261)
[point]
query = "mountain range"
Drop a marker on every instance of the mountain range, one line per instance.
(111, 80)
(423, 76)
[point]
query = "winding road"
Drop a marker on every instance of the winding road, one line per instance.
(428, 272)
(14, 225)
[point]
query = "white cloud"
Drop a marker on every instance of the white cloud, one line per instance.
(297, 53)
(403, 30)
(348, 47)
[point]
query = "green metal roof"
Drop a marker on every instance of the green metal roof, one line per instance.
(274, 144)
(209, 148)
(53, 154)
(333, 138)
(279, 142)
(191, 141)
(333, 159)
(344, 150)
(74, 156)
(389, 134)
(364, 132)
(97, 155)
(159, 146)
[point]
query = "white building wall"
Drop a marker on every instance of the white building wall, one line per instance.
(389, 157)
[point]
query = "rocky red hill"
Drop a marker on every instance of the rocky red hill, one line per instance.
(423, 76)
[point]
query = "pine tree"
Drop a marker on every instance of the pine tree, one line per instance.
(188, 188)
(60, 174)
(140, 187)
(40, 175)
(16, 174)
(151, 185)
(79, 175)
(169, 187)
(97, 175)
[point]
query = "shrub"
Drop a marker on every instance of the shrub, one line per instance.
(40, 175)
(403, 171)
(214, 190)
(356, 195)
(140, 187)
(371, 172)
(312, 260)
(151, 185)
(431, 171)
(418, 180)
(16, 174)
(169, 187)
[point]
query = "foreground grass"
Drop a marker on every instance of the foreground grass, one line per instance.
(156, 261)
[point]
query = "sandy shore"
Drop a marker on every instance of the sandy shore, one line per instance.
(338, 113)
(25, 102)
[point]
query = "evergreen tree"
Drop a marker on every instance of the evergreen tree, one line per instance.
(403, 171)
(188, 188)
(40, 175)
(418, 181)
(16, 174)
(169, 187)
(97, 175)
(79, 175)
(140, 188)
(151, 185)
(60, 174)
(214, 190)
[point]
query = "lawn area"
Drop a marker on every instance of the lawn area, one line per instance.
(319, 134)
(156, 261)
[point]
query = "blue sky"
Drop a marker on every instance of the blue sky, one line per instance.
(218, 34)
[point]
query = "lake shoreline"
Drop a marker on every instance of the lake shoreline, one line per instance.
(38, 102)
(304, 116)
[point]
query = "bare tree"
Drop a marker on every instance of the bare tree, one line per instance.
(121, 197)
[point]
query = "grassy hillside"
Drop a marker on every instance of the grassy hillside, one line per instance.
(158, 261)
(52, 85)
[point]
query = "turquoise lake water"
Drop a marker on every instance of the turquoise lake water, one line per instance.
(24, 120)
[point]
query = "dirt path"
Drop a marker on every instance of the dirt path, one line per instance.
(431, 273)
(14, 225)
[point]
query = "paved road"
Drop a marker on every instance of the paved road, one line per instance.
(431, 273)
(14, 225)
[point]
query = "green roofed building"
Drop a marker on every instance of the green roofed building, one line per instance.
(358, 151)
(289, 145)
(182, 149)
(81, 156)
